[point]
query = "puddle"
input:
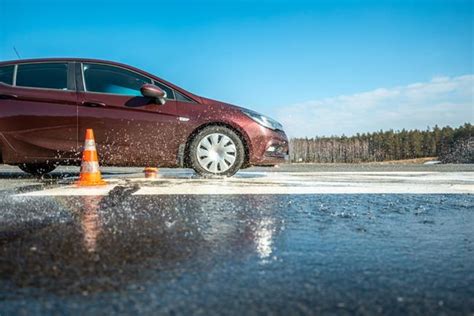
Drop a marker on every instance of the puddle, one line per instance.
(242, 254)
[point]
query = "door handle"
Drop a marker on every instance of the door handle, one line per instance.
(8, 96)
(95, 104)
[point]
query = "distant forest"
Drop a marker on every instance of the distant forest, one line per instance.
(450, 145)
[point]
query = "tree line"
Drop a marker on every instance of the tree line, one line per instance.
(447, 143)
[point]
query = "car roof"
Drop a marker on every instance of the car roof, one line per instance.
(33, 60)
(101, 61)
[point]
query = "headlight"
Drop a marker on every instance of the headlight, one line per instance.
(263, 120)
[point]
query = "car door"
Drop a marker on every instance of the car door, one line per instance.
(130, 129)
(38, 112)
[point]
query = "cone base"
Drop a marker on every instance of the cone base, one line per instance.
(90, 180)
(89, 184)
(151, 175)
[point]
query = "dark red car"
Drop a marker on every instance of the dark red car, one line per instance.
(138, 120)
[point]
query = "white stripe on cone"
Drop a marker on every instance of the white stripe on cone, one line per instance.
(89, 144)
(90, 166)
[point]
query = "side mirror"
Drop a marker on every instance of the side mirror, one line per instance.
(154, 92)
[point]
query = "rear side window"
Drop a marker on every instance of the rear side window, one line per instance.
(114, 80)
(169, 91)
(6, 74)
(42, 75)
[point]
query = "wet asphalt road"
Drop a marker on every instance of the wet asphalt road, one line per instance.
(232, 254)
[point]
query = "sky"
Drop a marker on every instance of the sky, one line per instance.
(320, 67)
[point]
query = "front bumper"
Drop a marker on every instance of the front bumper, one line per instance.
(269, 148)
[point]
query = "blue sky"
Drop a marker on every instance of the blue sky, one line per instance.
(282, 58)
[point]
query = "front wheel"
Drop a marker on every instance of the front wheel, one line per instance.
(217, 151)
(37, 169)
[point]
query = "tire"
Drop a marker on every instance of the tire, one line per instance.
(37, 169)
(216, 151)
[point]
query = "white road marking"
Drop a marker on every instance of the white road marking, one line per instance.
(72, 190)
(289, 183)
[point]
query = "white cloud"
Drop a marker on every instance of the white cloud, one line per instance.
(442, 101)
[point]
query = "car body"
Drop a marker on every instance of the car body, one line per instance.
(47, 104)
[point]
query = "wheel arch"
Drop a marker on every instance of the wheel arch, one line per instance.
(243, 136)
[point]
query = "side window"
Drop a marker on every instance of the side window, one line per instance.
(110, 79)
(6, 74)
(169, 91)
(42, 75)
(181, 97)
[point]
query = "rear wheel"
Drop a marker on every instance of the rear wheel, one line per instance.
(216, 151)
(37, 169)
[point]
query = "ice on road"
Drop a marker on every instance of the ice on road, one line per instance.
(287, 183)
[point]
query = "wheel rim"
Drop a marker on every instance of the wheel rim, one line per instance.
(216, 153)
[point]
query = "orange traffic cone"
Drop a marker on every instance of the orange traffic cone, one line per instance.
(150, 173)
(90, 173)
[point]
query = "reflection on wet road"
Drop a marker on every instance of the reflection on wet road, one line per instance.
(236, 254)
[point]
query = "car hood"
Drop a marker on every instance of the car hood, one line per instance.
(212, 102)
